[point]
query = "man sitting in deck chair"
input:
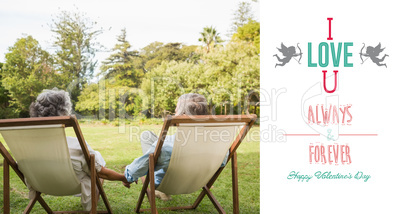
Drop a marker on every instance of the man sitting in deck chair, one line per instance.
(188, 104)
(57, 103)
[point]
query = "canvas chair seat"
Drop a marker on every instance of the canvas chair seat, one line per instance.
(200, 146)
(198, 152)
(41, 159)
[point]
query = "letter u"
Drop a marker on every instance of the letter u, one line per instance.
(325, 85)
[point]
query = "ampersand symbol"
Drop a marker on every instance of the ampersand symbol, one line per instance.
(330, 136)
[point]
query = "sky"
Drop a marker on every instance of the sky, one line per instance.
(145, 21)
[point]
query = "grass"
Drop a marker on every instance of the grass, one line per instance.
(120, 146)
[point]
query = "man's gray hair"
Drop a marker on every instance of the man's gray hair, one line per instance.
(51, 103)
(192, 104)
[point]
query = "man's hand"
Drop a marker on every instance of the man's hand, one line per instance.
(128, 184)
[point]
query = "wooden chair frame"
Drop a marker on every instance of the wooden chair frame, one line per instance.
(68, 121)
(149, 180)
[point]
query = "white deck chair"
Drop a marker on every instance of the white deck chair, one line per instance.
(41, 157)
(201, 143)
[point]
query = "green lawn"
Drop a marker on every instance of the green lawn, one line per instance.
(120, 147)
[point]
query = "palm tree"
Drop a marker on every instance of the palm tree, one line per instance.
(210, 37)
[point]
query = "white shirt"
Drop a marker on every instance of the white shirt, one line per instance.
(81, 169)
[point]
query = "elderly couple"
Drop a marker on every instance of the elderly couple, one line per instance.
(57, 103)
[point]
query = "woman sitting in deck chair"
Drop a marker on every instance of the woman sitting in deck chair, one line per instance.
(57, 103)
(188, 104)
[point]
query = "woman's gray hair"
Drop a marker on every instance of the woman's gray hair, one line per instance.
(51, 103)
(192, 104)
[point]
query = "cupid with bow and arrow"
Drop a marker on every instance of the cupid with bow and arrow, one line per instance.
(373, 53)
(288, 53)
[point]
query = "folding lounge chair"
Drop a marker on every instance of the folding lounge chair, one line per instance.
(42, 158)
(201, 143)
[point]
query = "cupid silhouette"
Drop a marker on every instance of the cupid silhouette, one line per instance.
(373, 53)
(288, 53)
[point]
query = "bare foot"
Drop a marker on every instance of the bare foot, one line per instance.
(162, 196)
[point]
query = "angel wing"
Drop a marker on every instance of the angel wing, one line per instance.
(283, 48)
(378, 48)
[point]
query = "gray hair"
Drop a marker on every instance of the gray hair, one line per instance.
(51, 103)
(192, 104)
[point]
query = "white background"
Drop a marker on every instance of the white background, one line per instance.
(373, 91)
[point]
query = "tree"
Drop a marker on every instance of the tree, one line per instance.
(75, 43)
(119, 65)
(114, 101)
(232, 72)
(228, 74)
(88, 101)
(164, 85)
(210, 37)
(156, 52)
(4, 98)
(241, 16)
(27, 71)
(6, 111)
(249, 32)
(190, 53)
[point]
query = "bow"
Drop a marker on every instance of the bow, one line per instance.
(361, 54)
(300, 53)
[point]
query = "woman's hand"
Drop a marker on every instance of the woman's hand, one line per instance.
(128, 184)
